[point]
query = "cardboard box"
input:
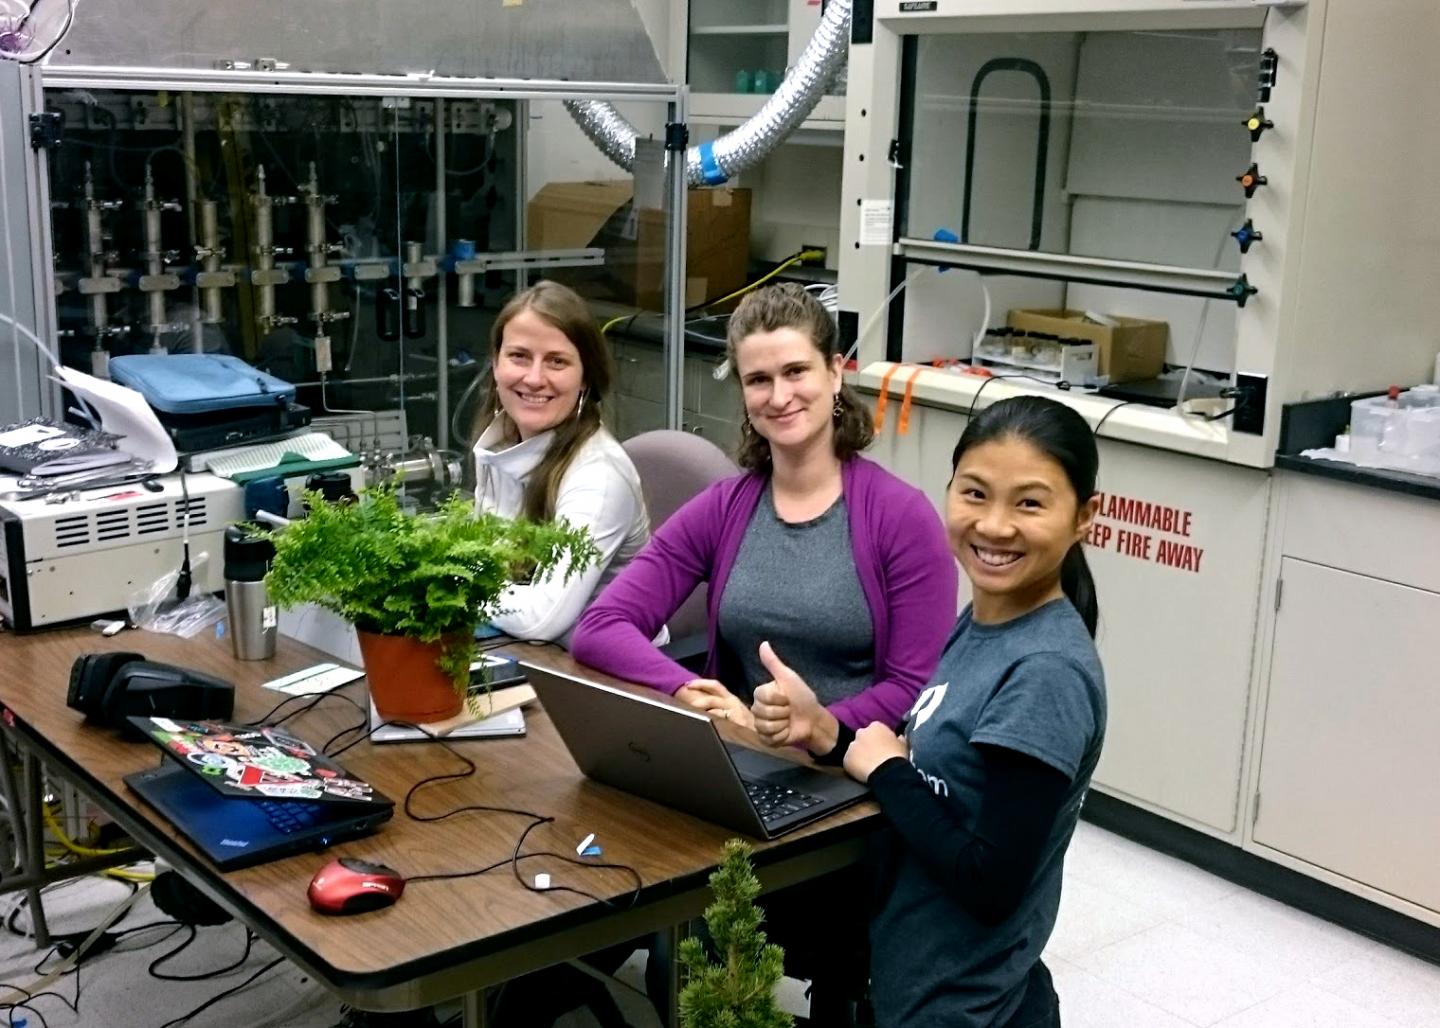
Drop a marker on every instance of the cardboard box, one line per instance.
(573, 214)
(1131, 351)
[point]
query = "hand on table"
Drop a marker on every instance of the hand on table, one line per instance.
(713, 698)
(874, 744)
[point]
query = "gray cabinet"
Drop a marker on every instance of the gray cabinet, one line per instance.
(712, 408)
(1350, 760)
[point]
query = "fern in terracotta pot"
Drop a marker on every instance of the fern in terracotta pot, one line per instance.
(414, 585)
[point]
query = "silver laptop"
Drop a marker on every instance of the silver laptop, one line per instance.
(676, 757)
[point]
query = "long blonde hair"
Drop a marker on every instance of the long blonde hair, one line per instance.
(563, 309)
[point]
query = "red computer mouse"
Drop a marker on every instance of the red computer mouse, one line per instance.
(351, 886)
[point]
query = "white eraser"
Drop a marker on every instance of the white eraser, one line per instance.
(542, 881)
(584, 844)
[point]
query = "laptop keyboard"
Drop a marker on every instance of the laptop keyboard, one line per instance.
(775, 802)
(290, 817)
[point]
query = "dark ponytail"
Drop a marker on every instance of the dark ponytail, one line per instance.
(1063, 436)
(1079, 587)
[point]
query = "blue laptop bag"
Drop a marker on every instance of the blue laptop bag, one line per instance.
(199, 383)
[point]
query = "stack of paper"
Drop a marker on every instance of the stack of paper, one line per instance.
(301, 454)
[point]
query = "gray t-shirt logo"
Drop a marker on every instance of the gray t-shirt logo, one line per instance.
(927, 704)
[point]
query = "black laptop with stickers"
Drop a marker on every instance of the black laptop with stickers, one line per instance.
(249, 794)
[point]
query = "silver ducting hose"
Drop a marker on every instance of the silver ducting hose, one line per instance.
(712, 163)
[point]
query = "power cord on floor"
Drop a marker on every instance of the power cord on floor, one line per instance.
(223, 995)
(166, 957)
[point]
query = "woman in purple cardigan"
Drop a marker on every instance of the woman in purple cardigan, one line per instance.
(815, 556)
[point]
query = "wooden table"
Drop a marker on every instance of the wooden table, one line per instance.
(444, 939)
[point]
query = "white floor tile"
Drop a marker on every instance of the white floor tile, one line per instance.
(1092, 917)
(1147, 879)
(1389, 983)
(1088, 1002)
(1303, 945)
(1306, 1006)
(1188, 974)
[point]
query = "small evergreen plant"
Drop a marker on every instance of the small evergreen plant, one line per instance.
(431, 577)
(738, 991)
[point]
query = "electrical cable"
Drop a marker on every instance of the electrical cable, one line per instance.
(184, 579)
(70, 844)
(516, 856)
(789, 262)
(1062, 385)
(74, 958)
(1106, 416)
(1199, 333)
(223, 995)
(154, 972)
(885, 306)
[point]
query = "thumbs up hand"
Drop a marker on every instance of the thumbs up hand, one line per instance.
(786, 710)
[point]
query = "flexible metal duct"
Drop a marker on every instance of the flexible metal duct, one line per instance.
(712, 163)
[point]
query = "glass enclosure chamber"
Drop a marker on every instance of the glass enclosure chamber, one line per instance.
(356, 240)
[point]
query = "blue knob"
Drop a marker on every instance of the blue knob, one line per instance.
(1247, 235)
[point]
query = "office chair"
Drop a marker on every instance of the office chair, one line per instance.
(674, 467)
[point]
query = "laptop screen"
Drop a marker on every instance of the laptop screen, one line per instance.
(256, 762)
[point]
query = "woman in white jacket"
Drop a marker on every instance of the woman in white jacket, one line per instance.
(544, 453)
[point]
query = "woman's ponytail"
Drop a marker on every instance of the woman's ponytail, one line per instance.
(1079, 586)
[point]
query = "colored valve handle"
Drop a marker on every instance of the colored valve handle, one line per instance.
(1251, 180)
(1257, 123)
(1247, 235)
(1241, 290)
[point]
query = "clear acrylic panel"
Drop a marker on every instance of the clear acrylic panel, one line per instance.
(1121, 145)
(358, 247)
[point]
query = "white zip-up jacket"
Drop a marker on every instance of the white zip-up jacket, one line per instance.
(600, 491)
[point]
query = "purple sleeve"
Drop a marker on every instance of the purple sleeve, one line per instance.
(614, 635)
(921, 584)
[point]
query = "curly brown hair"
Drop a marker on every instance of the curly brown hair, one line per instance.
(790, 305)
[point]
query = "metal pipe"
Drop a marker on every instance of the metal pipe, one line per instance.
(95, 246)
(265, 276)
(264, 248)
(210, 255)
(192, 194)
(315, 247)
(442, 324)
(675, 274)
(35, 843)
(155, 283)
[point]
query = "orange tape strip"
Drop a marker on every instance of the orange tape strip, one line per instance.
(904, 424)
(884, 400)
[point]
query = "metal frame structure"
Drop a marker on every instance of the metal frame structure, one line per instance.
(33, 83)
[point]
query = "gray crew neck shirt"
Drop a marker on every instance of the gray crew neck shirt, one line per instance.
(1033, 685)
(795, 584)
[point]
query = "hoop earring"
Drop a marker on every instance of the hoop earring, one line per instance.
(580, 405)
(838, 410)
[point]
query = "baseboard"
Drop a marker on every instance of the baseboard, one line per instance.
(1263, 876)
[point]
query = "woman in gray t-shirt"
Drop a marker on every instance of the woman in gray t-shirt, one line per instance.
(984, 790)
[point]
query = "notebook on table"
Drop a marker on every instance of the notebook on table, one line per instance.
(492, 708)
(249, 794)
(676, 757)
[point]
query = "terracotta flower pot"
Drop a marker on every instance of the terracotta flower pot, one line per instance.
(405, 682)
